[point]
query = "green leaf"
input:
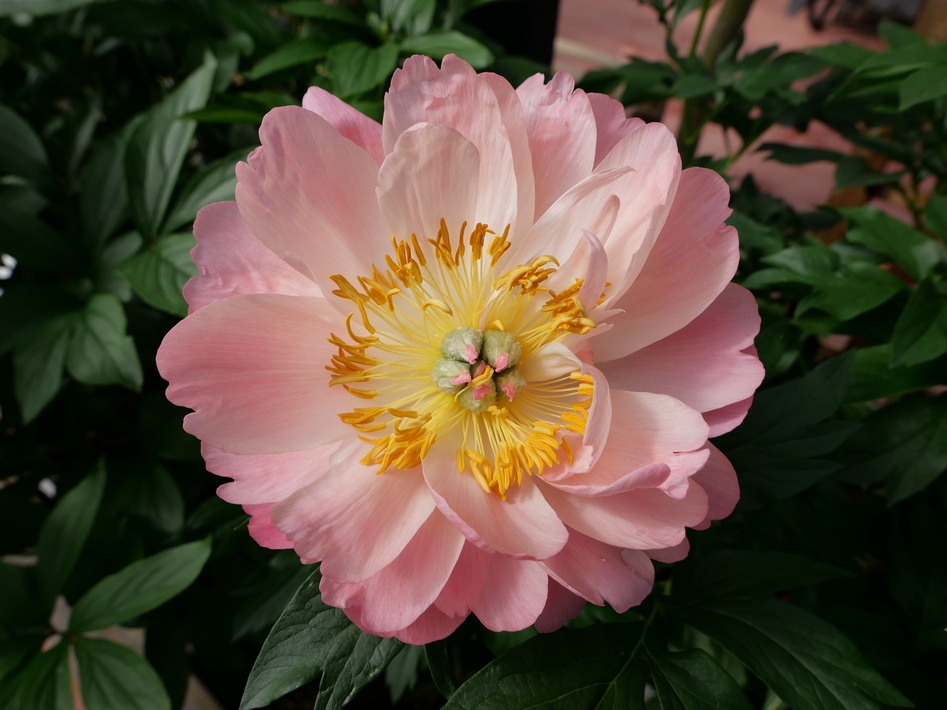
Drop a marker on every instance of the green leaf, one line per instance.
(100, 352)
(114, 677)
(300, 51)
(441, 43)
(151, 493)
(215, 183)
(856, 288)
(439, 664)
(309, 639)
(923, 85)
(745, 573)
(39, 7)
(914, 251)
(920, 334)
(797, 154)
(843, 54)
(873, 377)
(807, 662)
(21, 150)
(140, 587)
(317, 9)
(103, 202)
(26, 307)
(582, 669)
(65, 532)
(409, 17)
(158, 145)
(159, 273)
(693, 680)
(35, 244)
(45, 682)
(37, 367)
(853, 171)
(355, 67)
(935, 216)
(904, 443)
(21, 617)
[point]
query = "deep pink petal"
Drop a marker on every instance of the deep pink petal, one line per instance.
(522, 526)
(397, 595)
(561, 131)
(262, 529)
(253, 370)
(349, 122)
(309, 195)
(432, 174)
(670, 554)
(561, 606)
(691, 263)
(600, 573)
(356, 520)
(432, 625)
(611, 124)
(231, 261)
(703, 364)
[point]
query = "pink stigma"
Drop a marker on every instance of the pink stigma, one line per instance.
(481, 368)
(510, 389)
(461, 378)
(471, 354)
(481, 391)
(501, 361)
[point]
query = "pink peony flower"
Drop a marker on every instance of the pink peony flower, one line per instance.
(468, 358)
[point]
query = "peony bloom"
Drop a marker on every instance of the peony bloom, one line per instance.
(469, 359)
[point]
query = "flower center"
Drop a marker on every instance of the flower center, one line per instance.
(445, 356)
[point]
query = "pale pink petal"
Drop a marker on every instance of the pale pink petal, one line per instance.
(253, 369)
(355, 519)
(262, 529)
(432, 174)
(588, 262)
(669, 554)
(432, 625)
(728, 418)
(703, 364)
(641, 519)
(600, 573)
(611, 124)
(522, 526)
(421, 93)
(561, 606)
(514, 593)
(549, 362)
(397, 595)
(231, 261)
(561, 131)
(309, 195)
(266, 478)
(688, 267)
(719, 480)
(349, 122)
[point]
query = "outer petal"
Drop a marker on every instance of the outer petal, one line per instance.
(356, 520)
(561, 606)
(719, 480)
(397, 595)
(432, 625)
(432, 174)
(727, 418)
(601, 573)
(611, 124)
(642, 519)
(456, 97)
(251, 368)
(693, 260)
(232, 261)
(349, 122)
(309, 195)
(703, 364)
(561, 131)
(522, 526)
(262, 529)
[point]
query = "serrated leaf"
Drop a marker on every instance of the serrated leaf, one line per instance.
(920, 334)
(215, 183)
(355, 67)
(100, 353)
(311, 638)
(583, 669)
(904, 443)
(807, 662)
(65, 531)
(158, 145)
(37, 367)
(299, 51)
(441, 43)
(159, 273)
(114, 677)
(140, 587)
(21, 150)
(745, 573)
(693, 680)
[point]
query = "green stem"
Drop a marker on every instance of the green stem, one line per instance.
(727, 28)
(705, 6)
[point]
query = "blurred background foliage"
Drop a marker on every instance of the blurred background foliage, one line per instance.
(119, 119)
